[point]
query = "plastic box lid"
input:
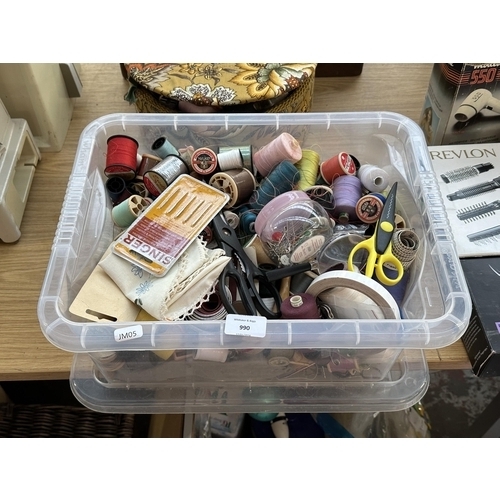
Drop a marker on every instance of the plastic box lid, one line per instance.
(403, 385)
(437, 305)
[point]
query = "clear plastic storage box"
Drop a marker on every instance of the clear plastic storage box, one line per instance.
(436, 307)
(148, 384)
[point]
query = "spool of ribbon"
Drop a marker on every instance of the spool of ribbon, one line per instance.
(405, 245)
(284, 148)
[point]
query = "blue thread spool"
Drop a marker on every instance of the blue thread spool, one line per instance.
(282, 179)
(247, 222)
(162, 147)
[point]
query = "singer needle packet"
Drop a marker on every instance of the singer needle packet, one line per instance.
(159, 236)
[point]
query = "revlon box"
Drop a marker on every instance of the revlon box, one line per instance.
(462, 105)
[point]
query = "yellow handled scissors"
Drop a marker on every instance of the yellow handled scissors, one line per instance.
(379, 246)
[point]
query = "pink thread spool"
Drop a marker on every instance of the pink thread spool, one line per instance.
(284, 148)
(300, 306)
(342, 164)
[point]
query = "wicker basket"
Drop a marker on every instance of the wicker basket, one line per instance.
(38, 421)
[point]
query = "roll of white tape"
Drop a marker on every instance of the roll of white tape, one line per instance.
(354, 296)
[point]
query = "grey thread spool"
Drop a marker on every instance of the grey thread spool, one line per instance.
(163, 174)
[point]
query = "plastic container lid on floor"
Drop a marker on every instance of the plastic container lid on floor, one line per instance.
(436, 308)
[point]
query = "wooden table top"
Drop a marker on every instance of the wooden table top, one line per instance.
(25, 353)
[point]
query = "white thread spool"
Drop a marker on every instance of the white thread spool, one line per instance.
(230, 159)
(373, 178)
(232, 219)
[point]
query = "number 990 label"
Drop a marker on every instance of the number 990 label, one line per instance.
(248, 326)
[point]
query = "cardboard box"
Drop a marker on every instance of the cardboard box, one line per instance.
(482, 337)
(469, 180)
(462, 105)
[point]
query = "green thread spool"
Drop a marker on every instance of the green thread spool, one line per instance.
(127, 211)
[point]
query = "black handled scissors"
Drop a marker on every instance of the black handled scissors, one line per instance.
(250, 280)
(379, 246)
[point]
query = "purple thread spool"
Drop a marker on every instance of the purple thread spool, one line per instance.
(347, 190)
(300, 306)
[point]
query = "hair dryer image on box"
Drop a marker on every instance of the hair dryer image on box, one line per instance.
(475, 102)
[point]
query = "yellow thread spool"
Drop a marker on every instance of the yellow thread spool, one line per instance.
(308, 167)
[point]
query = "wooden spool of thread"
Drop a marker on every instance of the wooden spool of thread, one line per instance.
(121, 157)
(239, 184)
(369, 207)
(147, 163)
(337, 166)
(300, 306)
(284, 148)
(204, 161)
(127, 211)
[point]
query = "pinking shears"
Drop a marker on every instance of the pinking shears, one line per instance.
(379, 246)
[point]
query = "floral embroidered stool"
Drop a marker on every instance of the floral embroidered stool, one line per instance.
(214, 87)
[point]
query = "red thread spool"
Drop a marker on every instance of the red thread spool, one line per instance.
(121, 157)
(342, 164)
